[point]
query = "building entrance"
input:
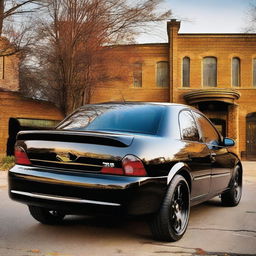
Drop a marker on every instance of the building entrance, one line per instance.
(220, 106)
(251, 136)
(217, 112)
(220, 124)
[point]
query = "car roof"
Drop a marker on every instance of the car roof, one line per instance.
(140, 103)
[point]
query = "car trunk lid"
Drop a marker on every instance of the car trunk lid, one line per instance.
(79, 151)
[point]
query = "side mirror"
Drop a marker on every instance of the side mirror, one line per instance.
(227, 142)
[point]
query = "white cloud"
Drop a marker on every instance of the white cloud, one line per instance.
(204, 16)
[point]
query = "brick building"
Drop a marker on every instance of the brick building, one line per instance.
(214, 72)
(16, 111)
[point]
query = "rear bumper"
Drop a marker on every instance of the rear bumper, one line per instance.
(86, 193)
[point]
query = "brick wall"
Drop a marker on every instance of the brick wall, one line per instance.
(123, 89)
(13, 105)
(224, 47)
(9, 67)
(196, 46)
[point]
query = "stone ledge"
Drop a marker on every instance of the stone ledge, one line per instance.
(222, 95)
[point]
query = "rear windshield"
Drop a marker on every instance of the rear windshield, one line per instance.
(143, 119)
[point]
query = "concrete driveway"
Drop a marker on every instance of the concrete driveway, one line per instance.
(213, 230)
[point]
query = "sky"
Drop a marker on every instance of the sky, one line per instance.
(203, 16)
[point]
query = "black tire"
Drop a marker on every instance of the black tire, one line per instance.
(233, 195)
(171, 221)
(46, 216)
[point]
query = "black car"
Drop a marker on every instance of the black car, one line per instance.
(126, 158)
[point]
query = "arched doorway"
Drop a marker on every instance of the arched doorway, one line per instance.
(251, 135)
(220, 105)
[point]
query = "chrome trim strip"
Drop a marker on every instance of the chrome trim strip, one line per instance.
(202, 177)
(68, 163)
(63, 199)
(220, 175)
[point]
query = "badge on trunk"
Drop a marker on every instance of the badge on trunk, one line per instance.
(66, 157)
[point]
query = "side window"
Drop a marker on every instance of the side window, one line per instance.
(209, 134)
(188, 128)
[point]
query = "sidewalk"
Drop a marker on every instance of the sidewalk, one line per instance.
(3, 178)
(248, 166)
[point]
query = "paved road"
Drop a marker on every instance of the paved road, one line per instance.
(213, 230)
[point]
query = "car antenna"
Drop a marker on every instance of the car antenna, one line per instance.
(123, 99)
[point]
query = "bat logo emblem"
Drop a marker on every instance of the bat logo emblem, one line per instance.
(66, 157)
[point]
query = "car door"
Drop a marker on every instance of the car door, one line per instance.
(219, 155)
(197, 155)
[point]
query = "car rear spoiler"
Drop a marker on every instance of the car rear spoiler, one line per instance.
(102, 138)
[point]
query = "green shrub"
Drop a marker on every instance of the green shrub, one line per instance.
(7, 163)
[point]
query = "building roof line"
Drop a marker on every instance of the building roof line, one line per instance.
(138, 44)
(217, 34)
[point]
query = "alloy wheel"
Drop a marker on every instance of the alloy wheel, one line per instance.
(179, 209)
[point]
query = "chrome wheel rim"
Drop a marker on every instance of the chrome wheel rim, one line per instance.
(179, 209)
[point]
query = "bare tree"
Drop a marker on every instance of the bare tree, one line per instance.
(251, 18)
(73, 42)
(9, 8)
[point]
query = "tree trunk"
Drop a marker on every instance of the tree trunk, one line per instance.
(1, 16)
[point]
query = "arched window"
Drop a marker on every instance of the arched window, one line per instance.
(186, 72)
(254, 72)
(236, 72)
(162, 74)
(137, 74)
(210, 71)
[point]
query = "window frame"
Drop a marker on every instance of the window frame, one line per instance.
(203, 72)
(137, 72)
(167, 85)
(187, 85)
(254, 72)
(196, 125)
(238, 75)
(201, 132)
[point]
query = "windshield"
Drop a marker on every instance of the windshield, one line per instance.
(143, 119)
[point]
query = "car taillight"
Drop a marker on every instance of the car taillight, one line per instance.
(112, 170)
(21, 156)
(133, 166)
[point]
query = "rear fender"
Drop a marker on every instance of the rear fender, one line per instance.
(180, 168)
